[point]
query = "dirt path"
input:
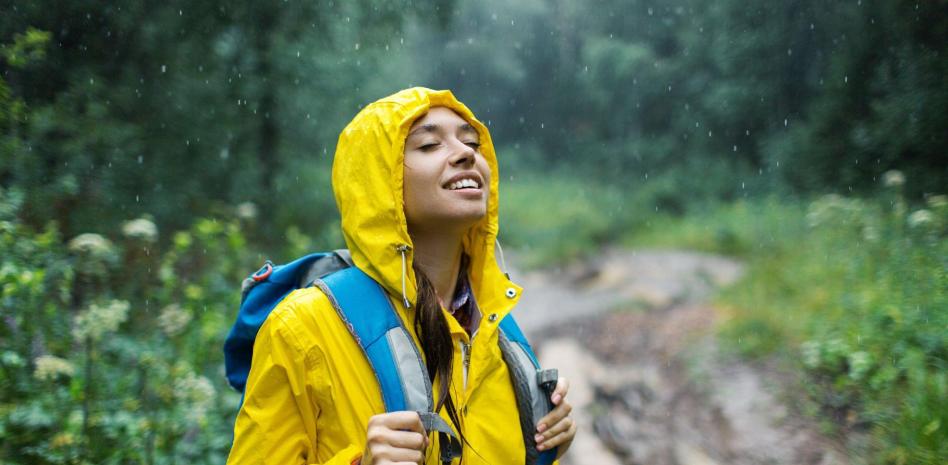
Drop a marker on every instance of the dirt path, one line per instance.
(632, 331)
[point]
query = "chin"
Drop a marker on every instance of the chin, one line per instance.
(462, 219)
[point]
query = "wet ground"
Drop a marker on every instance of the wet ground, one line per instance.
(633, 330)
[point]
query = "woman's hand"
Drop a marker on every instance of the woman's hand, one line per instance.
(395, 438)
(557, 428)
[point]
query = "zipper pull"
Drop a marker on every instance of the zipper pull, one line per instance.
(467, 354)
(465, 361)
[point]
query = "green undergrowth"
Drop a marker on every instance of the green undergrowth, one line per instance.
(550, 221)
(854, 294)
(110, 344)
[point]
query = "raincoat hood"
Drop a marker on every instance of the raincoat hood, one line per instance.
(367, 180)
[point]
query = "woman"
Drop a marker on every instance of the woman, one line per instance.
(415, 178)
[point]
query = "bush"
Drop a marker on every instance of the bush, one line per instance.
(853, 292)
(110, 347)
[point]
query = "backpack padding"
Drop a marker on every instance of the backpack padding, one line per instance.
(361, 304)
(525, 385)
(358, 300)
(258, 300)
(512, 330)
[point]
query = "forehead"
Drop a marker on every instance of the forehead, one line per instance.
(440, 118)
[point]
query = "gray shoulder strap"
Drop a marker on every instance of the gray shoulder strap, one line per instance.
(532, 402)
(345, 256)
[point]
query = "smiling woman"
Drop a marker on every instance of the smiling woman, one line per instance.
(415, 178)
(446, 178)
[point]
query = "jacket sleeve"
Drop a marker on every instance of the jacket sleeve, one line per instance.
(276, 424)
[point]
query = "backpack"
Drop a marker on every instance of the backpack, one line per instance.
(368, 314)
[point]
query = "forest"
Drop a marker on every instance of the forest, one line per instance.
(153, 154)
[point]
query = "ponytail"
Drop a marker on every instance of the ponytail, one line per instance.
(436, 343)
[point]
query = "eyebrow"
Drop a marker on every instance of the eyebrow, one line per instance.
(431, 127)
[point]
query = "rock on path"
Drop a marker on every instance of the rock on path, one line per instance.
(631, 330)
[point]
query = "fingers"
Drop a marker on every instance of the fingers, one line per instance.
(561, 433)
(562, 387)
(557, 428)
(407, 440)
(555, 416)
(405, 421)
(397, 437)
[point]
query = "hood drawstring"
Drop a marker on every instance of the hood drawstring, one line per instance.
(503, 263)
(402, 248)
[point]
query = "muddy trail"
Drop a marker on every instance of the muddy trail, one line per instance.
(633, 332)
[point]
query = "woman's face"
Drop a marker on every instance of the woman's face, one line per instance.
(447, 180)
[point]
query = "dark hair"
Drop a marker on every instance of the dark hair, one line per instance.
(436, 342)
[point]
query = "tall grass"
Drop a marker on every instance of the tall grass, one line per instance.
(556, 219)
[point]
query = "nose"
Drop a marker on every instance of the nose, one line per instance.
(463, 155)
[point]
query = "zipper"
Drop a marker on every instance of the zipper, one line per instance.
(466, 358)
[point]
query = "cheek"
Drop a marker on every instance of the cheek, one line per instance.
(418, 178)
(418, 190)
(485, 171)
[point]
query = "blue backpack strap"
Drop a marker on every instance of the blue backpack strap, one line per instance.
(367, 312)
(513, 332)
(261, 292)
(532, 386)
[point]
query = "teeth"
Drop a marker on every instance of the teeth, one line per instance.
(467, 182)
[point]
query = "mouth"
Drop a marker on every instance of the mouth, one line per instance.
(464, 181)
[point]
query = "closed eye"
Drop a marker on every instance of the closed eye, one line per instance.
(428, 147)
(474, 145)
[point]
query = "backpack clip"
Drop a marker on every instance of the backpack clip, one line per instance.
(264, 272)
(547, 380)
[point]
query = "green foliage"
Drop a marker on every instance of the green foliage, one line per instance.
(778, 95)
(746, 228)
(110, 347)
(26, 48)
(578, 218)
(128, 103)
(851, 290)
(125, 130)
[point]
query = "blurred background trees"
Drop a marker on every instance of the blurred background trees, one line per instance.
(219, 121)
(123, 105)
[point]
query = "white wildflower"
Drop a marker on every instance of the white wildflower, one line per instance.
(893, 178)
(938, 201)
(197, 393)
(173, 319)
(100, 319)
(860, 362)
(812, 354)
(920, 218)
(834, 209)
(10, 358)
(92, 244)
(142, 228)
(247, 211)
(870, 233)
(49, 367)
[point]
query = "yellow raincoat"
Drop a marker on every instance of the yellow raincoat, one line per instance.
(311, 391)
